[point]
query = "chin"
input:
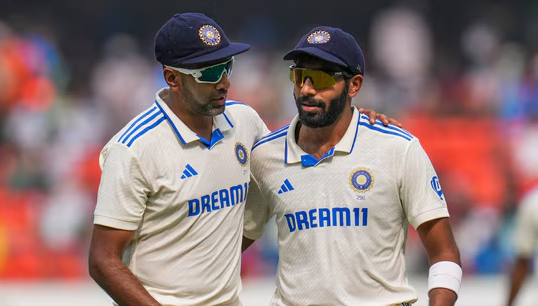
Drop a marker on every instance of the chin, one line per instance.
(218, 110)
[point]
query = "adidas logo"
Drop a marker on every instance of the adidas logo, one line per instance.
(286, 187)
(188, 172)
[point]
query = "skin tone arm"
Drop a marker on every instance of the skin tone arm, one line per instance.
(519, 274)
(437, 238)
(109, 272)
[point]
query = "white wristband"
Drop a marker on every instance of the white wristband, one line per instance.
(445, 274)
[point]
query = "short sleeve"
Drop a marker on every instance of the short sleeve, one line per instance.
(123, 191)
(420, 189)
(526, 230)
(257, 212)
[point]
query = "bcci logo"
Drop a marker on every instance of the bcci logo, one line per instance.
(436, 185)
(319, 37)
(241, 154)
(361, 180)
(209, 35)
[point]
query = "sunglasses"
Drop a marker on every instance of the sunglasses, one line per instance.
(210, 75)
(320, 79)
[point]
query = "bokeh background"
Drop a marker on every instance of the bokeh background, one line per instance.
(460, 75)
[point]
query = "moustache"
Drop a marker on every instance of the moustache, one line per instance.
(310, 101)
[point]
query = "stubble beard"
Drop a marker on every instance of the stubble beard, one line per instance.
(197, 106)
(324, 117)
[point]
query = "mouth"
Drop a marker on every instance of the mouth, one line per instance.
(221, 100)
(310, 107)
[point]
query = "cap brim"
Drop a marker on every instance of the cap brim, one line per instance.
(291, 55)
(230, 50)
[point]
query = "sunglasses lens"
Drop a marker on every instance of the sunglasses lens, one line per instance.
(318, 78)
(214, 74)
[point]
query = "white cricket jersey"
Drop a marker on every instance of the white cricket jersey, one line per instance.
(183, 197)
(342, 220)
(526, 231)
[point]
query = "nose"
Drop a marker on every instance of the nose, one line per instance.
(224, 82)
(308, 88)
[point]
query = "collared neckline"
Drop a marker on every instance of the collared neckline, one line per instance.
(294, 154)
(221, 123)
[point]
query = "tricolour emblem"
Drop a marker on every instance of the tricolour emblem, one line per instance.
(209, 35)
(319, 37)
(241, 154)
(361, 180)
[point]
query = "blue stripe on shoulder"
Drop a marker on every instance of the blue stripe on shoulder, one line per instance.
(390, 126)
(232, 102)
(395, 133)
(140, 125)
(268, 139)
(275, 132)
(228, 120)
(136, 121)
(144, 131)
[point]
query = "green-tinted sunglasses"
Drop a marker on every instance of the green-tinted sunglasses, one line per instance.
(320, 79)
(212, 74)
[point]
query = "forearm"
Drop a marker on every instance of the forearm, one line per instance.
(442, 297)
(120, 283)
(518, 278)
(445, 273)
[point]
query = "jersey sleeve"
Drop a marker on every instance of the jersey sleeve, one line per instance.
(420, 190)
(526, 230)
(123, 191)
(257, 212)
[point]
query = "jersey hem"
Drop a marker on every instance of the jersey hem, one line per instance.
(429, 215)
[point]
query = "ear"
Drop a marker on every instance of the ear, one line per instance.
(355, 85)
(171, 78)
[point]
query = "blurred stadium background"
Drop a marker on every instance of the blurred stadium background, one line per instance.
(460, 75)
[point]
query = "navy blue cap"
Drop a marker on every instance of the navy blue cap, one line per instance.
(332, 45)
(193, 38)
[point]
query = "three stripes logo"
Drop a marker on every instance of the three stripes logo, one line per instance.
(188, 172)
(286, 187)
(146, 122)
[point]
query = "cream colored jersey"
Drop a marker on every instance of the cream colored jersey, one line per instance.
(526, 231)
(342, 219)
(183, 197)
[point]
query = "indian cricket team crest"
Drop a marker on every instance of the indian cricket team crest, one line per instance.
(209, 35)
(361, 180)
(241, 154)
(319, 37)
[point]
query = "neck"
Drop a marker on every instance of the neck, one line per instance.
(318, 141)
(199, 124)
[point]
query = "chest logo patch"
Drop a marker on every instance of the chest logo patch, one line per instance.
(241, 154)
(361, 180)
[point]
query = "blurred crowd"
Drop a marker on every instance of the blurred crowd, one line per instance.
(476, 115)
